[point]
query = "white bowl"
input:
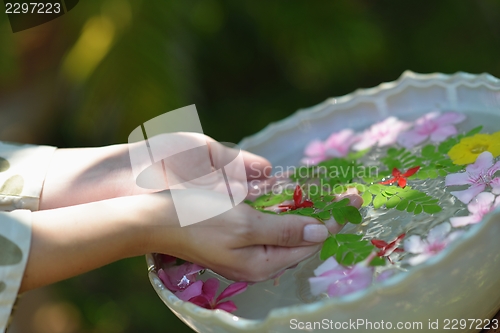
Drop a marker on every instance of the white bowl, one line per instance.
(461, 282)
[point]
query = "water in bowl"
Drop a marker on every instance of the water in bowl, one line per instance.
(387, 224)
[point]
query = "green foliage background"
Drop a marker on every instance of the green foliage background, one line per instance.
(243, 63)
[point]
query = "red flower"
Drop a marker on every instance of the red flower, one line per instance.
(297, 201)
(386, 249)
(399, 177)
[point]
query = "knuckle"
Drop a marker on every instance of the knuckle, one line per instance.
(286, 235)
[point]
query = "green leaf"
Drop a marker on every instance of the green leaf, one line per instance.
(431, 209)
(339, 216)
(348, 237)
(393, 201)
(358, 154)
(379, 201)
(319, 204)
(324, 215)
(411, 207)
(375, 189)
(367, 198)
(474, 131)
(429, 151)
(271, 199)
(348, 249)
(403, 205)
(330, 247)
(418, 209)
(353, 215)
(377, 261)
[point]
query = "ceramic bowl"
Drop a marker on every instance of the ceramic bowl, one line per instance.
(461, 282)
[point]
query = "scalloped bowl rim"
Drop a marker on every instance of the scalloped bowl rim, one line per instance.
(395, 281)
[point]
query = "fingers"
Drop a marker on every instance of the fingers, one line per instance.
(283, 230)
(256, 167)
(264, 262)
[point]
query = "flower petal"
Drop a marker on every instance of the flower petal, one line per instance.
(462, 221)
(411, 138)
(410, 172)
(210, 288)
(359, 278)
(438, 233)
(228, 306)
(419, 259)
(327, 265)
(483, 162)
(414, 244)
(495, 185)
(461, 178)
(166, 281)
(201, 301)
(443, 132)
(467, 195)
(319, 284)
(233, 290)
(450, 118)
(481, 203)
(315, 148)
(191, 291)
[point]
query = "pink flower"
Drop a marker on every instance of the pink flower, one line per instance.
(434, 125)
(437, 239)
(208, 300)
(382, 134)
(479, 175)
(337, 280)
(337, 145)
(481, 205)
(181, 279)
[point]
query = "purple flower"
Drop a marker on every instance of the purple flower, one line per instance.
(382, 134)
(437, 126)
(181, 279)
(337, 145)
(337, 280)
(478, 175)
(437, 239)
(481, 205)
(206, 299)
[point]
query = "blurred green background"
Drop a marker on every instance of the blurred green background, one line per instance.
(91, 76)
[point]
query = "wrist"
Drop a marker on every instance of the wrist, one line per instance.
(154, 224)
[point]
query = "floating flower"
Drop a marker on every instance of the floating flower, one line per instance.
(386, 249)
(208, 300)
(382, 134)
(337, 145)
(481, 205)
(438, 127)
(181, 279)
(298, 201)
(338, 280)
(437, 239)
(400, 178)
(469, 148)
(478, 175)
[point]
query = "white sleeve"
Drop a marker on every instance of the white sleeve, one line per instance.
(22, 173)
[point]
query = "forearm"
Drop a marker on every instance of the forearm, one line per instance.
(85, 175)
(73, 240)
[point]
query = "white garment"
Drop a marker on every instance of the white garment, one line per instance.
(22, 173)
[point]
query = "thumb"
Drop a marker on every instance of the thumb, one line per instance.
(285, 230)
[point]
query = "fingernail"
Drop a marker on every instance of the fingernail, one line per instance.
(315, 233)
